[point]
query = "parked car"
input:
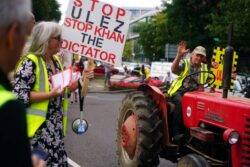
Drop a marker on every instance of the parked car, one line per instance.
(132, 66)
(100, 70)
(120, 69)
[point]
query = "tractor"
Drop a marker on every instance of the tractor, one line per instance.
(216, 126)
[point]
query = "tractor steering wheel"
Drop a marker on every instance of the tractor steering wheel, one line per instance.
(190, 82)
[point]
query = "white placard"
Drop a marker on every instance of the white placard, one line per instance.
(95, 30)
(61, 79)
(161, 69)
(76, 76)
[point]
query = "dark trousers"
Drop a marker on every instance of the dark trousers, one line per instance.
(177, 122)
(143, 77)
(107, 78)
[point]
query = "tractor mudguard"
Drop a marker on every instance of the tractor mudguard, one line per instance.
(159, 99)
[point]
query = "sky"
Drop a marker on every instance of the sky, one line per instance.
(119, 3)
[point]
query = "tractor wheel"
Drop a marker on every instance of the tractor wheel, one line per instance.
(139, 132)
(192, 160)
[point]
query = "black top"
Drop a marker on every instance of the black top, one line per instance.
(14, 143)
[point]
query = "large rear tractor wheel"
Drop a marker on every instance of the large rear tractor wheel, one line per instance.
(192, 160)
(139, 132)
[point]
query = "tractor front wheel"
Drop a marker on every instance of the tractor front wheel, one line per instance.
(139, 132)
(192, 160)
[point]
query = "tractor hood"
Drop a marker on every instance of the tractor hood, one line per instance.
(211, 108)
(228, 114)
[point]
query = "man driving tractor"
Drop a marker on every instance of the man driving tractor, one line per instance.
(183, 68)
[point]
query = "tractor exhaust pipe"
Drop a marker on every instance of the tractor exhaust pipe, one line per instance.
(228, 60)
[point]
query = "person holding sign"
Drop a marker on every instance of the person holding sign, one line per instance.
(182, 69)
(46, 118)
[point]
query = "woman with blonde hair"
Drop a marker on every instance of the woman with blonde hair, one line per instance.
(45, 116)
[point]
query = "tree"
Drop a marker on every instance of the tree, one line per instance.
(46, 10)
(54, 11)
(238, 13)
(40, 9)
(188, 20)
(153, 37)
(199, 22)
(127, 53)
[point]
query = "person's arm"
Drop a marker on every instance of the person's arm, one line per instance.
(176, 63)
(40, 96)
(180, 53)
(74, 84)
(24, 82)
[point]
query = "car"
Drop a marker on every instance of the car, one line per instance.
(120, 69)
(132, 66)
(100, 70)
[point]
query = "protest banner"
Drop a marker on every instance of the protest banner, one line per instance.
(217, 62)
(95, 30)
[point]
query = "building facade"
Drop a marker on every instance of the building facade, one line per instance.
(144, 15)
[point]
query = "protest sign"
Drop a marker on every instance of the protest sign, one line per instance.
(95, 30)
(61, 79)
(217, 62)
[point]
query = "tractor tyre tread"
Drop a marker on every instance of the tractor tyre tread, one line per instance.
(149, 128)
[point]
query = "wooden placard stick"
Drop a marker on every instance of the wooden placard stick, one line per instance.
(91, 66)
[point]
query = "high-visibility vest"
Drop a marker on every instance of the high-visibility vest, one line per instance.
(65, 99)
(147, 72)
(5, 96)
(177, 83)
(36, 113)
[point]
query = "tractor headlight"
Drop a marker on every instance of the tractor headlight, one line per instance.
(234, 137)
(189, 111)
(231, 136)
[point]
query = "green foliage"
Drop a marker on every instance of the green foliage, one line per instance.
(152, 37)
(237, 12)
(46, 10)
(127, 53)
(188, 20)
(199, 22)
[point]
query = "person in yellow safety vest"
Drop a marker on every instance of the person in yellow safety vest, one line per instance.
(182, 69)
(14, 142)
(46, 118)
(144, 73)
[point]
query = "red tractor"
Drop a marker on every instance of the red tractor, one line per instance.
(217, 127)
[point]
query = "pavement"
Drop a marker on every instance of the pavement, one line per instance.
(97, 147)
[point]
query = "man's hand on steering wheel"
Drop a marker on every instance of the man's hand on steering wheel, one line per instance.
(192, 81)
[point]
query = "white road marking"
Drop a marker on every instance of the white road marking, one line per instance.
(72, 163)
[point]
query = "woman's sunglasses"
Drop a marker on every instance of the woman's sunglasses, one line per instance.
(57, 38)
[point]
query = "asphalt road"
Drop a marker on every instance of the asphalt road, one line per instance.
(97, 148)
